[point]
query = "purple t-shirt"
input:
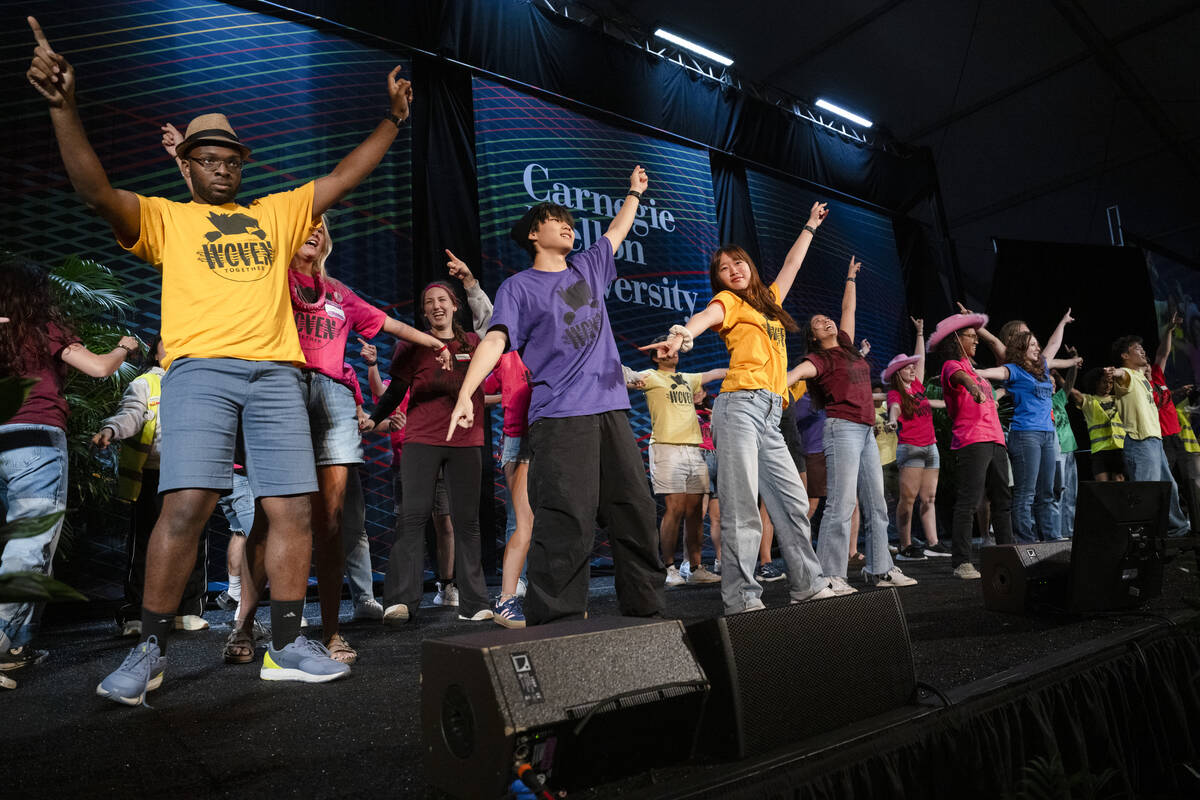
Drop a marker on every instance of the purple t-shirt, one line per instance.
(558, 322)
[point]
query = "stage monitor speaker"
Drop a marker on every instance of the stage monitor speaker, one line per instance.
(582, 702)
(1117, 561)
(781, 675)
(1023, 577)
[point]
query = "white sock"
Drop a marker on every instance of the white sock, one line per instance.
(235, 588)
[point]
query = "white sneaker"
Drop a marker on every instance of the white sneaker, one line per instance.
(754, 605)
(823, 593)
(893, 577)
(480, 615)
(673, 577)
(188, 622)
(368, 609)
(967, 571)
(839, 586)
(716, 567)
(447, 594)
(701, 574)
(395, 615)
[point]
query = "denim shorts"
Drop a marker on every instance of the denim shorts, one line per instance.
(710, 461)
(678, 469)
(205, 401)
(335, 435)
(515, 448)
(238, 506)
(911, 456)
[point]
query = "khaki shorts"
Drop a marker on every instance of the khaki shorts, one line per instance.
(678, 469)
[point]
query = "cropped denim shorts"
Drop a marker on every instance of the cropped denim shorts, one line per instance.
(335, 435)
(910, 456)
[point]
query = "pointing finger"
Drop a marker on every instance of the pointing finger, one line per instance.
(38, 34)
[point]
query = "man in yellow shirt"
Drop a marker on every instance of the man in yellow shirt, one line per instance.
(234, 353)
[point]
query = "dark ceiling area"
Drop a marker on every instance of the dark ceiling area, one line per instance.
(1040, 114)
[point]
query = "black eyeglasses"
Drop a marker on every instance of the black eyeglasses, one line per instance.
(210, 164)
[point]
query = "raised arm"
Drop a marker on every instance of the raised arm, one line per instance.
(1166, 341)
(1065, 363)
(618, 229)
(996, 374)
(919, 347)
(99, 365)
(1055, 340)
(358, 164)
(712, 315)
(370, 356)
(993, 343)
(850, 299)
(795, 257)
(477, 299)
(487, 355)
(54, 79)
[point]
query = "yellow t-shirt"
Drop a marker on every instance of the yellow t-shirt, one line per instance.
(224, 274)
(757, 346)
(1136, 406)
(796, 391)
(672, 413)
(886, 441)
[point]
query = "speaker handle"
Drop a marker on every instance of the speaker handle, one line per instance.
(621, 695)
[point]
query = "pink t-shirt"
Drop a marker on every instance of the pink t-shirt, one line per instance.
(350, 378)
(916, 430)
(511, 379)
(323, 332)
(972, 422)
(396, 437)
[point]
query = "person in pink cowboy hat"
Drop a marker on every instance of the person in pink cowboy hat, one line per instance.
(910, 412)
(976, 439)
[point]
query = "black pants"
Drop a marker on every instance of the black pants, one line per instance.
(980, 467)
(142, 517)
(404, 582)
(1177, 457)
(587, 471)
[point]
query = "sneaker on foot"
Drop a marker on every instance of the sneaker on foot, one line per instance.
(131, 627)
(673, 577)
(754, 605)
(716, 567)
(824, 593)
(840, 586)
(701, 574)
(893, 549)
(226, 601)
(303, 660)
(769, 573)
(509, 613)
(447, 594)
(479, 616)
(188, 622)
(893, 577)
(939, 550)
(23, 656)
(914, 552)
(967, 571)
(140, 672)
(368, 609)
(396, 615)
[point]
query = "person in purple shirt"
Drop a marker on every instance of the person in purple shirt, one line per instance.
(586, 468)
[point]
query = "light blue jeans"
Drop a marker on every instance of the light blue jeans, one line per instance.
(33, 483)
(755, 461)
(1034, 455)
(1146, 461)
(852, 472)
(1066, 488)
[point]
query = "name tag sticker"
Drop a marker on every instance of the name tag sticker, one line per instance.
(462, 356)
(334, 311)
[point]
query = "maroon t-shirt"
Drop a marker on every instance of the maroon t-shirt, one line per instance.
(844, 381)
(433, 393)
(45, 404)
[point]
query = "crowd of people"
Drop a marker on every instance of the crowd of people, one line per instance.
(248, 402)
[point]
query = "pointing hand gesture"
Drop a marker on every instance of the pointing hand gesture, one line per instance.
(50, 73)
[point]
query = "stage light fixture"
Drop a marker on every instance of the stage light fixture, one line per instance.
(699, 50)
(841, 112)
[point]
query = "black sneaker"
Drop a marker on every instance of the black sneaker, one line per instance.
(769, 573)
(226, 601)
(939, 550)
(23, 656)
(913, 552)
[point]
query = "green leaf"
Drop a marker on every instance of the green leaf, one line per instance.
(23, 586)
(31, 526)
(13, 392)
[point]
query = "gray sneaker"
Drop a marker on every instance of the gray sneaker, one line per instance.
(140, 672)
(303, 660)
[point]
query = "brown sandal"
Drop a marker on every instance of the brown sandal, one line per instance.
(239, 647)
(340, 649)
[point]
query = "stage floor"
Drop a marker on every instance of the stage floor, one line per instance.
(216, 730)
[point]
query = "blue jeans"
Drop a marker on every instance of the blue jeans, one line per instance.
(33, 483)
(1034, 455)
(1066, 488)
(755, 461)
(852, 474)
(1146, 461)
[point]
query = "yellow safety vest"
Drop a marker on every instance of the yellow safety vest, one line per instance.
(1105, 429)
(1186, 433)
(135, 451)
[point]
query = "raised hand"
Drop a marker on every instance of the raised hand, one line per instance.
(50, 73)
(1176, 321)
(817, 214)
(459, 269)
(855, 266)
(864, 347)
(400, 94)
(919, 324)
(664, 349)
(369, 352)
(963, 309)
(638, 180)
(1067, 317)
(171, 139)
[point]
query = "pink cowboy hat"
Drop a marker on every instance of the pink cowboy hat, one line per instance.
(898, 363)
(956, 322)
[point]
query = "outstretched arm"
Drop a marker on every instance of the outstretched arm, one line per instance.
(1055, 340)
(487, 355)
(99, 365)
(712, 315)
(1064, 363)
(919, 347)
(358, 164)
(795, 257)
(618, 229)
(1165, 341)
(850, 299)
(716, 375)
(992, 373)
(54, 79)
(410, 334)
(805, 370)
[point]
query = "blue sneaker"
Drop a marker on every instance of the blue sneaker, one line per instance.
(509, 613)
(302, 660)
(140, 672)
(769, 573)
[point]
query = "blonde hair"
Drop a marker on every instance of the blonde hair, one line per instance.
(326, 248)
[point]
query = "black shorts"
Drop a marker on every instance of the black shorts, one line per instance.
(1110, 461)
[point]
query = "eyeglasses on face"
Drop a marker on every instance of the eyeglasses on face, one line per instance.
(209, 164)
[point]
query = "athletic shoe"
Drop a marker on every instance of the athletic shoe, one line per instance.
(754, 605)
(701, 574)
(479, 616)
(190, 622)
(140, 672)
(368, 609)
(23, 656)
(303, 660)
(840, 586)
(673, 577)
(716, 567)
(893, 549)
(893, 577)
(226, 601)
(824, 593)
(447, 594)
(939, 550)
(769, 573)
(131, 627)
(509, 613)
(685, 569)
(396, 615)
(522, 586)
(914, 552)
(967, 571)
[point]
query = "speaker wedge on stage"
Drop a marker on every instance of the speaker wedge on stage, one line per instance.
(781, 675)
(582, 702)
(1019, 578)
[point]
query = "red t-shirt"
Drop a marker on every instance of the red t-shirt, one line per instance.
(511, 378)
(844, 381)
(45, 404)
(971, 422)
(323, 331)
(916, 430)
(1168, 418)
(434, 391)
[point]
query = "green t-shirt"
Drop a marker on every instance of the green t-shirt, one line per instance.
(1062, 425)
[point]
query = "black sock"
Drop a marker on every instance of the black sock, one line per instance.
(159, 625)
(285, 622)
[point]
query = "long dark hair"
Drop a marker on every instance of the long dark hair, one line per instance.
(26, 300)
(460, 335)
(757, 294)
(813, 345)
(1014, 353)
(908, 403)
